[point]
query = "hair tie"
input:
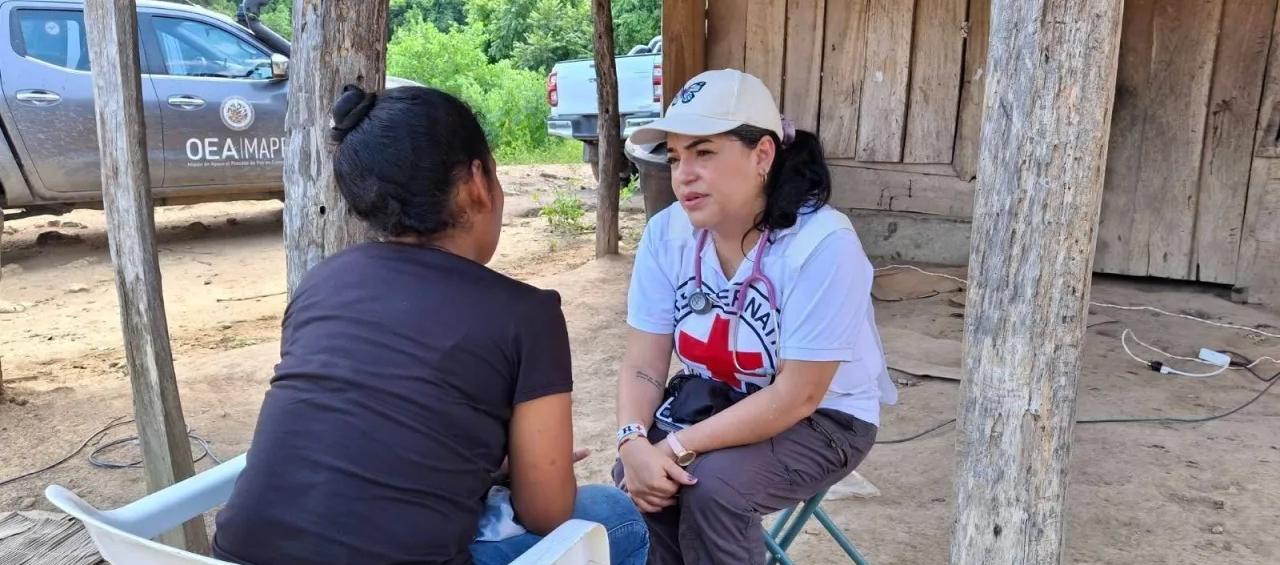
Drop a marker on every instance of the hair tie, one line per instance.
(788, 132)
(351, 108)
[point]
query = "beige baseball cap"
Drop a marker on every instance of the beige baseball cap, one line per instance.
(715, 102)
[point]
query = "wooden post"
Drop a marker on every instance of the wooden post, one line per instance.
(1050, 82)
(609, 129)
(336, 42)
(112, 27)
(684, 43)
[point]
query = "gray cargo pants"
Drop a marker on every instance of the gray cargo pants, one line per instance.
(718, 520)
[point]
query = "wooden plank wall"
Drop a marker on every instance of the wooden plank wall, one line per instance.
(727, 34)
(878, 80)
(972, 89)
(684, 43)
(842, 59)
(1234, 99)
(1257, 272)
(1187, 100)
(803, 68)
(935, 81)
(896, 91)
(883, 116)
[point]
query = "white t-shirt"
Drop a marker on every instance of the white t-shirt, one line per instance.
(822, 278)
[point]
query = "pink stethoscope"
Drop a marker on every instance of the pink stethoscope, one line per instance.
(700, 300)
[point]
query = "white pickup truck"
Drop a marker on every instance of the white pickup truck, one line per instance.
(571, 93)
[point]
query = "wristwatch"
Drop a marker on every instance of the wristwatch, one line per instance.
(683, 456)
(631, 431)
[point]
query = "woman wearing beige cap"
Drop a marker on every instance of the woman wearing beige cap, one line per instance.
(763, 293)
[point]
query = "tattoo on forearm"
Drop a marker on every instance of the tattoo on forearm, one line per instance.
(648, 379)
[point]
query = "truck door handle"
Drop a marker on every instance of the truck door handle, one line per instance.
(38, 97)
(186, 102)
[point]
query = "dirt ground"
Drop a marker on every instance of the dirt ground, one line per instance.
(1146, 493)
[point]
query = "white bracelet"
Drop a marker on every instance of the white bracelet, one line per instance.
(630, 431)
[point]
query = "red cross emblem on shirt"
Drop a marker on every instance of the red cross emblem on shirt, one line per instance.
(715, 354)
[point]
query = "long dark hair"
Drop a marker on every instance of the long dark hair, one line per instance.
(400, 155)
(799, 181)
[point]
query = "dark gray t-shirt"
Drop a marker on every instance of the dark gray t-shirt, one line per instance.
(400, 367)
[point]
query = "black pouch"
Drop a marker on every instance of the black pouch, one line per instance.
(690, 399)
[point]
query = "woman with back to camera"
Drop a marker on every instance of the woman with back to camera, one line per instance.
(763, 292)
(410, 372)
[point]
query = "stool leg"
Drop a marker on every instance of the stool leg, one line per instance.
(839, 536)
(772, 535)
(797, 524)
(776, 553)
(782, 522)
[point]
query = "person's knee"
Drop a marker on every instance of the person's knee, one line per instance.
(717, 491)
(612, 508)
(711, 496)
(605, 505)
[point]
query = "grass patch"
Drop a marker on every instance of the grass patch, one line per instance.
(557, 152)
(565, 213)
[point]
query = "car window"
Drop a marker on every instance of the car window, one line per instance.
(56, 37)
(197, 49)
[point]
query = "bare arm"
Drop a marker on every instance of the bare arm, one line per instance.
(541, 457)
(792, 397)
(643, 376)
(651, 478)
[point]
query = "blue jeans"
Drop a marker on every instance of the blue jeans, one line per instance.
(628, 533)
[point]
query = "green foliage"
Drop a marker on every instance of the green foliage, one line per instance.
(510, 102)
(444, 14)
(564, 214)
(555, 151)
(494, 55)
(631, 189)
(278, 16)
(533, 34)
(558, 30)
(635, 22)
(224, 7)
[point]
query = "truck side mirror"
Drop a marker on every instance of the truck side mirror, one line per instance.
(279, 66)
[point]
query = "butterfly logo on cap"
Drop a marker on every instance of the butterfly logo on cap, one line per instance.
(687, 93)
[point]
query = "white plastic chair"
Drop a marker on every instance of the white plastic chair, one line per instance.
(124, 536)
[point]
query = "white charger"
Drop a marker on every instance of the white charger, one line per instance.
(1215, 358)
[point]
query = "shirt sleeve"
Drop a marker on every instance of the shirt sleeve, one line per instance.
(545, 366)
(824, 310)
(651, 298)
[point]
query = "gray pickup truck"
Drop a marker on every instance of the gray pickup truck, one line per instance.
(214, 102)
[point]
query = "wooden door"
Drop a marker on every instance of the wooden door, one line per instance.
(1186, 112)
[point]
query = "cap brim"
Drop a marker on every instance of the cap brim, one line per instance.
(657, 130)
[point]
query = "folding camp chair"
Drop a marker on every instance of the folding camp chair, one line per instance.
(789, 525)
(124, 536)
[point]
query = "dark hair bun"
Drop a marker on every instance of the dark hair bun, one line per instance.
(350, 109)
(399, 160)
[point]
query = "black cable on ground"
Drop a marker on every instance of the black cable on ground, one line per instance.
(917, 436)
(96, 461)
(113, 423)
(1271, 381)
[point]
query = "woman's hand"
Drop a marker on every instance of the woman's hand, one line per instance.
(651, 477)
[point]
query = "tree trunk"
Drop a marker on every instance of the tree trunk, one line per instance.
(336, 42)
(1051, 78)
(117, 89)
(610, 131)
